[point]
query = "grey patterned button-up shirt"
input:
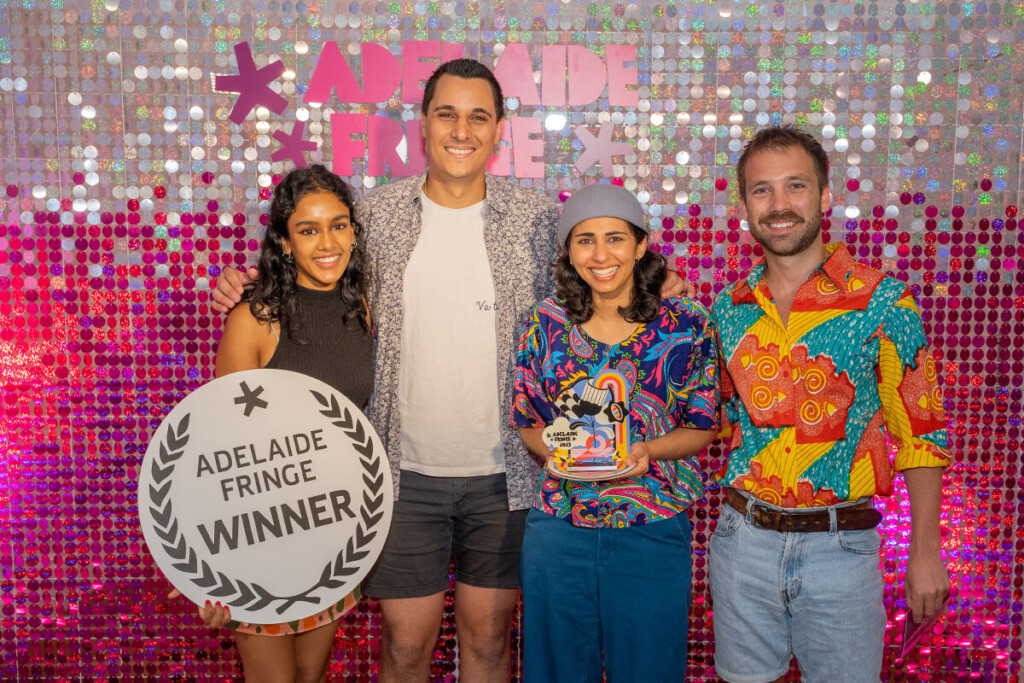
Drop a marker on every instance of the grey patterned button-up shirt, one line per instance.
(519, 233)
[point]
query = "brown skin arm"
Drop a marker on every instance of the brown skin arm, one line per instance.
(246, 343)
(534, 443)
(681, 442)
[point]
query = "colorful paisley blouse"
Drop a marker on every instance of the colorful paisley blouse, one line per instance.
(670, 366)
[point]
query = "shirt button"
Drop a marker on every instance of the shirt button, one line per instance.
(787, 449)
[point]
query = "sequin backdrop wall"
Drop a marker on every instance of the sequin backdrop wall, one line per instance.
(126, 187)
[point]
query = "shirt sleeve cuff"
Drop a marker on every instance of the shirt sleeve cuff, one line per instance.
(922, 454)
(699, 422)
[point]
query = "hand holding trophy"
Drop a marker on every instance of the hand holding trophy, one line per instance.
(590, 442)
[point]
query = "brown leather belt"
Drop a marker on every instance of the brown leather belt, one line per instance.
(852, 518)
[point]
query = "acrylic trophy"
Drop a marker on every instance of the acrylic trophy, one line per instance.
(590, 440)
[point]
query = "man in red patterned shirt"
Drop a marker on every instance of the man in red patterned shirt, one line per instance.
(827, 372)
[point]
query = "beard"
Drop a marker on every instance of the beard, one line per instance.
(797, 240)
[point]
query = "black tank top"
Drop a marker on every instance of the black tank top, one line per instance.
(335, 352)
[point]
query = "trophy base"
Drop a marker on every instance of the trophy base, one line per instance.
(584, 473)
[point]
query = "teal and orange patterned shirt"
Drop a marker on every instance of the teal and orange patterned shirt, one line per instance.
(671, 367)
(815, 405)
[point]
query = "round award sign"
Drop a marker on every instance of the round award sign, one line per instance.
(268, 491)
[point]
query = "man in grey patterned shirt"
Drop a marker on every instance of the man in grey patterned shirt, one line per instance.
(458, 260)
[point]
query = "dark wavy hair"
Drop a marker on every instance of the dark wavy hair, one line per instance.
(271, 295)
(649, 275)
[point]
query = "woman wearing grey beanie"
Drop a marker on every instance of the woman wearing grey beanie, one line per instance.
(605, 568)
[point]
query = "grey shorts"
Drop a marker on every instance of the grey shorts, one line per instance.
(438, 518)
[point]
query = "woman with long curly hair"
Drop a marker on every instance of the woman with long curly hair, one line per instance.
(605, 565)
(306, 312)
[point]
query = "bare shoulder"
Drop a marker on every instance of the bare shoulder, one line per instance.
(242, 320)
(247, 342)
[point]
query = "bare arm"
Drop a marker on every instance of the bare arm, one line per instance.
(243, 346)
(533, 441)
(246, 344)
(927, 582)
(681, 442)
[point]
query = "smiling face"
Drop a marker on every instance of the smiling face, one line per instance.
(604, 251)
(320, 237)
(460, 131)
(783, 203)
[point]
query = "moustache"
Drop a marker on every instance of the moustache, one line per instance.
(780, 218)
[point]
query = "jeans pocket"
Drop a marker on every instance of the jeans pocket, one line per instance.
(682, 530)
(729, 520)
(862, 542)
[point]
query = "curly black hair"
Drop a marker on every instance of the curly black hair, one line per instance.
(271, 295)
(649, 275)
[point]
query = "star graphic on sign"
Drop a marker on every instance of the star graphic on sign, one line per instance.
(600, 149)
(293, 146)
(250, 398)
(252, 85)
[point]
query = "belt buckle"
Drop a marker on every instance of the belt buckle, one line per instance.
(755, 516)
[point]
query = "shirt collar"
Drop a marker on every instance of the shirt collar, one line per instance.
(496, 195)
(838, 266)
(412, 190)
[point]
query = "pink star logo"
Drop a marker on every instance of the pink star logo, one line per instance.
(252, 85)
(599, 149)
(293, 146)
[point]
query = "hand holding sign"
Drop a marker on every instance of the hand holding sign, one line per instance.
(214, 615)
(265, 490)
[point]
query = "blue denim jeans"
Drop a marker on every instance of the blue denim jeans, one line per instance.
(816, 596)
(623, 593)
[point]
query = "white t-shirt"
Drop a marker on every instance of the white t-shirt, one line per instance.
(448, 374)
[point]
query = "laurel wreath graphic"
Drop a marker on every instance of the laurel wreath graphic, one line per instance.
(251, 595)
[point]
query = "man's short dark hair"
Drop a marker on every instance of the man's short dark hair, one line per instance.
(465, 68)
(781, 137)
